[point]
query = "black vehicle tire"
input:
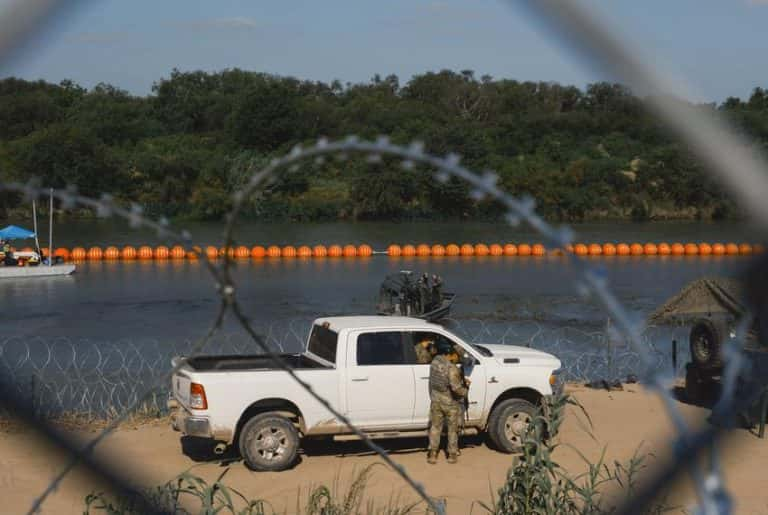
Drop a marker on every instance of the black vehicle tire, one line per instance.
(269, 442)
(508, 422)
(706, 341)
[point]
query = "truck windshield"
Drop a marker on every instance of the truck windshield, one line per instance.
(322, 343)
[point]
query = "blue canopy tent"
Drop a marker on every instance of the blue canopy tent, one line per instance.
(13, 232)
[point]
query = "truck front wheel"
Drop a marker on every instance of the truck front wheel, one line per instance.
(269, 442)
(509, 422)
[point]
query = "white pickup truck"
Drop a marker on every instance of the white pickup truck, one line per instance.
(366, 367)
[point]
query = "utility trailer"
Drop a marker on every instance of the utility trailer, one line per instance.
(713, 307)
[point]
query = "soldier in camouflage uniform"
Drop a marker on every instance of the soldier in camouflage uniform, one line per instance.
(424, 351)
(446, 389)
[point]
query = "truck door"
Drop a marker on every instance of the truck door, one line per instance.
(380, 384)
(421, 378)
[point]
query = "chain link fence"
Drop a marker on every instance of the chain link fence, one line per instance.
(31, 364)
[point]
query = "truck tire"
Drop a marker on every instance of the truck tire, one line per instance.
(706, 341)
(508, 422)
(269, 442)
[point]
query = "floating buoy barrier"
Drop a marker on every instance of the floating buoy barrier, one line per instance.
(481, 250)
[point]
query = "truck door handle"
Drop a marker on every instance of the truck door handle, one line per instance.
(493, 380)
(359, 379)
(425, 377)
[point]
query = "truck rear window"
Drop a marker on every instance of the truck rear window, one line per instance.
(322, 343)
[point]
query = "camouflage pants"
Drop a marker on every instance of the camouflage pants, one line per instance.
(441, 413)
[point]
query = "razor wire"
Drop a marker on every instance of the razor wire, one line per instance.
(84, 379)
(744, 181)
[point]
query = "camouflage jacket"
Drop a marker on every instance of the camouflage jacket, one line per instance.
(445, 384)
(423, 356)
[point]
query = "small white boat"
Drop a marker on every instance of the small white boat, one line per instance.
(10, 272)
(34, 265)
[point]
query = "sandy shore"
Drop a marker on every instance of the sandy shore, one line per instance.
(154, 454)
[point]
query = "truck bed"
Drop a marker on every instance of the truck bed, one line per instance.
(249, 362)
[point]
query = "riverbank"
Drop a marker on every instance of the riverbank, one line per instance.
(153, 454)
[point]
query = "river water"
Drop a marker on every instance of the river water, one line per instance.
(175, 301)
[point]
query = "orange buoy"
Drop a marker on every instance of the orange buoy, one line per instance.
(481, 249)
(452, 249)
(438, 250)
(273, 251)
(304, 252)
(394, 250)
(289, 251)
(111, 253)
(595, 249)
(95, 253)
(350, 251)
(211, 252)
(731, 249)
(705, 249)
(636, 249)
(162, 252)
(495, 249)
(622, 249)
(718, 249)
(609, 249)
(510, 249)
(650, 249)
(364, 250)
(664, 249)
(580, 249)
(691, 249)
(194, 255)
(145, 252)
(319, 251)
(467, 250)
(409, 250)
(178, 252)
(128, 253)
(423, 250)
(61, 252)
(335, 251)
(745, 248)
(524, 249)
(242, 252)
(538, 249)
(678, 249)
(258, 252)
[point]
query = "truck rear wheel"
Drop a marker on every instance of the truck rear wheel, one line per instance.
(509, 422)
(269, 442)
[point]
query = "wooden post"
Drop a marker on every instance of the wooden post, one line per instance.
(763, 412)
(674, 356)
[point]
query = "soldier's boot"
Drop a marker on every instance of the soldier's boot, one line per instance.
(432, 457)
(453, 458)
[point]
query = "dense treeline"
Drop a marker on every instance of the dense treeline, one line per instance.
(185, 148)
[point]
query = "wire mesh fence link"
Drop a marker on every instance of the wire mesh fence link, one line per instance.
(740, 171)
(95, 379)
